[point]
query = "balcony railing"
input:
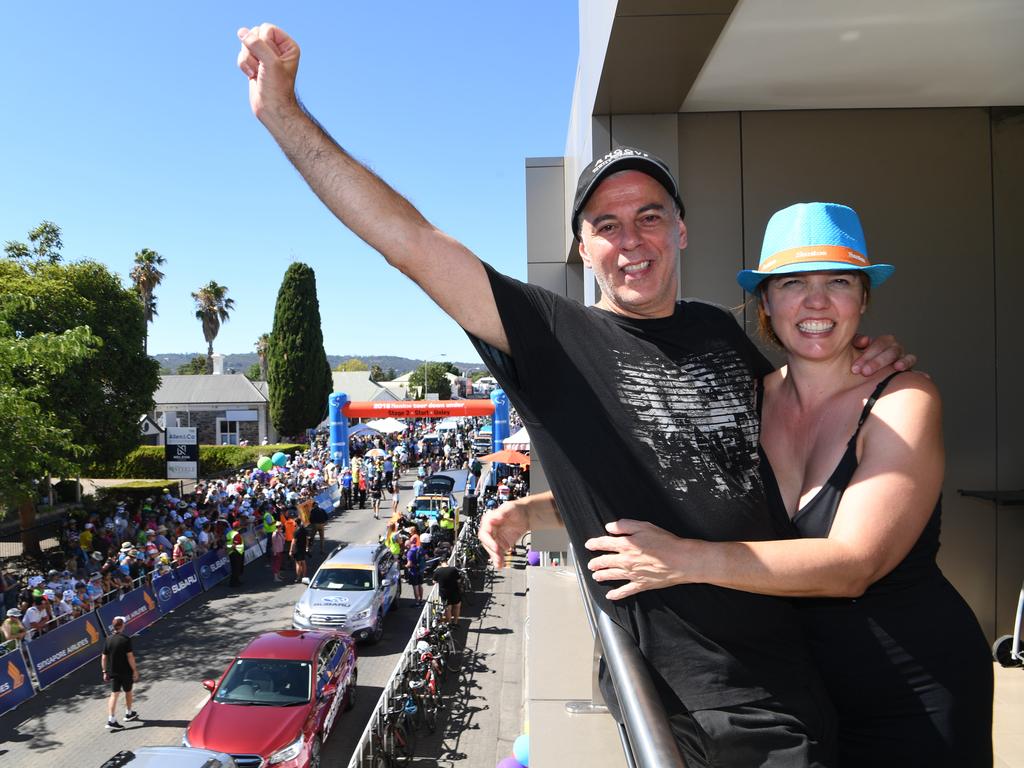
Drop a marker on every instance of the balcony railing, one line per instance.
(646, 736)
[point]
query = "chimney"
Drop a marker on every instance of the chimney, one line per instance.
(218, 364)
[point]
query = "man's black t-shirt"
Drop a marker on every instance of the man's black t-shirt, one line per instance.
(318, 515)
(117, 648)
(447, 579)
(657, 420)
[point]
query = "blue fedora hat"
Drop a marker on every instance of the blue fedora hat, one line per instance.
(813, 237)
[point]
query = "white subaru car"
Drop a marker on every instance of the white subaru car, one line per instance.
(351, 591)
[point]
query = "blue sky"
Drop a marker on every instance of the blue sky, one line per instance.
(128, 125)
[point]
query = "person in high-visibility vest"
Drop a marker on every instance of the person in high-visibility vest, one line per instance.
(446, 522)
(269, 526)
(236, 553)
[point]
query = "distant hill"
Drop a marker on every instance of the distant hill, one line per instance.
(240, 363)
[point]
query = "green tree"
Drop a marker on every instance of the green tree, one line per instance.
(213, 307)
(436, 380)
(477, 375)
(99, 400)
(262, 347)
(391, 375)
(46, 245)
(146, 276)
(376, 373)
(352, 364)
(299, 375)
(254, 373)
(38, 444)
(194, 367)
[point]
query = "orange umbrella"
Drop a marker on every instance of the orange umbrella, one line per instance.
(507, 457)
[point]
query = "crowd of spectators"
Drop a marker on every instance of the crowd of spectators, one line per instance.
(108, 551)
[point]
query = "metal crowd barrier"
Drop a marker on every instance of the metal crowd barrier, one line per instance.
(647, 740)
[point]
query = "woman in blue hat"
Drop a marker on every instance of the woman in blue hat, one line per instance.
(858, 465)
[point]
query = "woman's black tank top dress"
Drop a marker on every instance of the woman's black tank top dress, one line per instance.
(906, 664)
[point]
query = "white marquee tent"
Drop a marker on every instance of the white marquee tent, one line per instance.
(519, 441)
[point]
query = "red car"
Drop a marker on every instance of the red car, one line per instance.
(277, 701)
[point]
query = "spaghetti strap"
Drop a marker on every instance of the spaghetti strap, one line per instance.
(874, 396)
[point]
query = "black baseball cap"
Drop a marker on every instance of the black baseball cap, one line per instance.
(622, 159)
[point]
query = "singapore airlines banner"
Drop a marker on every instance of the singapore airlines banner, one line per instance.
(139, 608)
(15, 685)
(66, 648)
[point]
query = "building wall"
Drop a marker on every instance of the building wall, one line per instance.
(939, 191)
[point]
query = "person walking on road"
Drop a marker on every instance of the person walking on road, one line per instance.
(120, 670)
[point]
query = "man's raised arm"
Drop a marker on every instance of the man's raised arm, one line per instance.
(449, 273)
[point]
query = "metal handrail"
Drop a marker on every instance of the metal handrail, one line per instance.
(647, 741)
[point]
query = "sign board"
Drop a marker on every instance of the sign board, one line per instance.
(242, 415)
(138, 607)
(213, 567)
(181, 452)
(15, 685)
(254, 551)
(66, 648)
(417, 409)
(177, 587)
(328, 499)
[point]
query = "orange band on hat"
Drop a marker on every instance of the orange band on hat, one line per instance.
(805, 253)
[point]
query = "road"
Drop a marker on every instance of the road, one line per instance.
(64, 725)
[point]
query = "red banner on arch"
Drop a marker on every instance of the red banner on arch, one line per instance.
(417, 409)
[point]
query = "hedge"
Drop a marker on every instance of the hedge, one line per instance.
(148, 460)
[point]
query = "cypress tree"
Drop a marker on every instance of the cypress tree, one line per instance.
(299, 376)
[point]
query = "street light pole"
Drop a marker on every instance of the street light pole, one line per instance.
(424, 393)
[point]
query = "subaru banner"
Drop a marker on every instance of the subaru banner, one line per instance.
(15, 685)
(66, 648)
(213, 567)
(138, 607)
(177, 587)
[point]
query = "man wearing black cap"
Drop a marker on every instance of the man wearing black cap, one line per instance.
(641, 386)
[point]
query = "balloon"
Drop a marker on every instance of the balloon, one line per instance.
(521, 749)
(264, 463)
(279, 459)
(510, 762)
(533, 557)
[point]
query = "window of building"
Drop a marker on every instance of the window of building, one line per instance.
(227, 432)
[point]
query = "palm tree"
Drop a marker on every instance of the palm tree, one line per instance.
(212, 308)
(146, 276)
(262, 347)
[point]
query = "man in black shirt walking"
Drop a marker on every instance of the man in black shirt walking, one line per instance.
(447, 579)
(118, 661)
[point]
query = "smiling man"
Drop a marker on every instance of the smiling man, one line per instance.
(640, 386)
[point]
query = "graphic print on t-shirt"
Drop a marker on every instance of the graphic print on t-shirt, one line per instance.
(698, 417)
